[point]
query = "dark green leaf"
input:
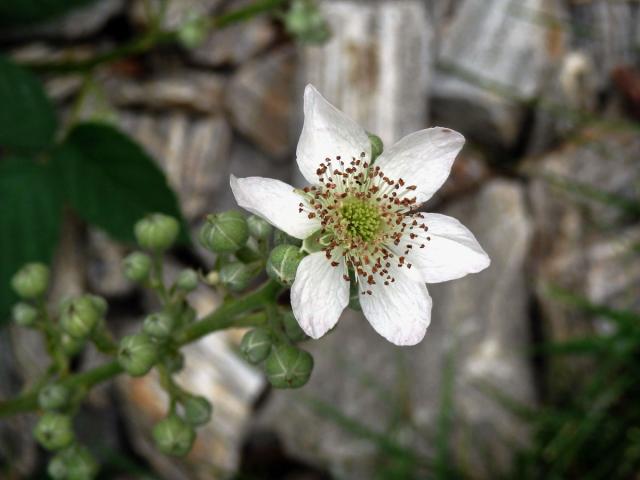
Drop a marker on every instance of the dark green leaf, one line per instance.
(30, 216)
(28, 11)
(27, 118)
(111, 182)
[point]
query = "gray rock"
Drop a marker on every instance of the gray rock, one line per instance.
(495, 56)
(480, 322)
(259, 100)
(176, 12)
(104, 266)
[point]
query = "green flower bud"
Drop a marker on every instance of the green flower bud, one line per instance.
(283, 263)
(281, 238)
(256, 345)
(31, 281)
(173, 436)
(73, 463)
(159, 325)
(70, 345)
(376, 146)
(225, 232)
(54, 431)
(157, 231)
(137, 266)
(197, 410)
(25, 315)
(80, 316)
(137, 354)
(288, 366)
(193, 30)
(248, 254)
(174, 361)
(54, 397)
(258, 227)
(187, 280)
(305, 22)
(236, 276)
(292, 328)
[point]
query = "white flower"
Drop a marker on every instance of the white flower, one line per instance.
(367, 221)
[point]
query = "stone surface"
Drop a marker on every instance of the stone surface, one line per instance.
(495, 56)
(481, 321)
(584, 245)
(104, 266)
(376, 65)
(259, 100)
(176, 13)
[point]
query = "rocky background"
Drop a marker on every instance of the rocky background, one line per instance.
(547, 93)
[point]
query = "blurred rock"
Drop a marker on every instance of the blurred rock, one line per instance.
(176, 12)
(192, 150)
(585, 233)
(627, 81)
(376, 65)
(605, 31)
(479, 322)
(494, 58)
(104, 266)
(79, 22)
(259, 99)
(469, 171)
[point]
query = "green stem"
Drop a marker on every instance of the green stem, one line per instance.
(222, 318)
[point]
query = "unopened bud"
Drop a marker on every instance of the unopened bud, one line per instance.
(137, 266)
(137, 354)
(159, 325)
(256, 345)
(225, 232)
(283, 263)
(187, 280)
(54, 431)
(282, 238)
(259, 227)
(236, 276)
(54, 397)
(197, 410)
(71, 345)
(376, 146)
(31, 281)
(25, 315)
(193, 30)
(157, 231)
(80, 316)
(305, 22)
(292, 328)
(288, 366)
(173, 436)
(73, 463)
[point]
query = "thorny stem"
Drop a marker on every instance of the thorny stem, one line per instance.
(222, 318)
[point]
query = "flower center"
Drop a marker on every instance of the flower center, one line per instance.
(366, 219)
(361, 219)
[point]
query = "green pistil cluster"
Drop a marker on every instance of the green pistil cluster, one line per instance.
(361, 219)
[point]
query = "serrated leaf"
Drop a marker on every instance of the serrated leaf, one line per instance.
(111, 182)
(29, 11)
(30, 217)
(27, 118)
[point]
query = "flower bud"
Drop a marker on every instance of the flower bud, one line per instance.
(236, 276)
(137, 266)
(187, 280)
(288, 366)
(80, 316)
(292, 328)
(256, 345)
(376, 146)
(137, 354)
(157, 231)
(173, 436)
(54, 431)
(70, 345)
(174, 361)
(73, 463)
(305, 22)
(281, 238)
(283, 263)
(193, 30)
(25, 315)
(159, 325)
(54, 397)
(225, 232)
(197, 410)
(31, 281)
(259, 227)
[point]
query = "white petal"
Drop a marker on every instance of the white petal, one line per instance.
(400, 311)
(422, 159)
(319, 294)
(452, 251)
(276, 202)
(327, 132)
